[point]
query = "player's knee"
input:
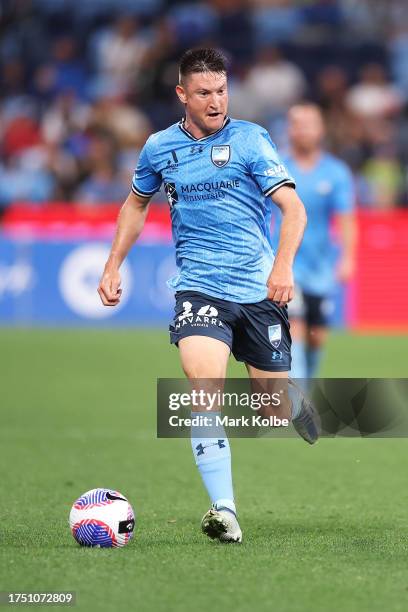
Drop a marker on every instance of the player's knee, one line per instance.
(203, 369)
(203, 357)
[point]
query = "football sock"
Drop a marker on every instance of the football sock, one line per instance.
(299, 365)
(313, 357)
(213, 459)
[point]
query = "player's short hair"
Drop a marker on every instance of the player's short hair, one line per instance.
(202, 60)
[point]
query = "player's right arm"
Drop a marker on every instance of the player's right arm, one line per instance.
(146, 181)
(131, 220)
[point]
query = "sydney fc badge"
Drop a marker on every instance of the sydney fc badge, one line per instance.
(275, 335)
(220, 155)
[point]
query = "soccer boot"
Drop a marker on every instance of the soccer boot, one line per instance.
(307, 424)
(221, 524)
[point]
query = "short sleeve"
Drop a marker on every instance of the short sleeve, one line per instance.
(343, 196)
(265, 166)
(146, 181)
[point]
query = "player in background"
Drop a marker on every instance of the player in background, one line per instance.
(231, 291)
(325, 185)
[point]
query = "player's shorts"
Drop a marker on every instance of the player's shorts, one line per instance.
(314, 310)
(257, 334)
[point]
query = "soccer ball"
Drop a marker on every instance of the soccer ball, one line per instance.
(102, 518)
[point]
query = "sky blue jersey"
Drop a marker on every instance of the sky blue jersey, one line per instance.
(325, 190)
(216, 188)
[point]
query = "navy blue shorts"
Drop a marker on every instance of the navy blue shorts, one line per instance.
(257, 334)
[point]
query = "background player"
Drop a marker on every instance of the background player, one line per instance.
(231, 293)
(325, 185)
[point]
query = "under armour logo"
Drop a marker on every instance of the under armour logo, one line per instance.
(196, 149)
(200, 448)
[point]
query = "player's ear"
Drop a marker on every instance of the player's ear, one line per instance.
(181, 94)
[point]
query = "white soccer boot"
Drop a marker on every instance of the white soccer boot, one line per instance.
(221, 524)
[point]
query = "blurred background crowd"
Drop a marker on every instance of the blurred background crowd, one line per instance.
(84, 82)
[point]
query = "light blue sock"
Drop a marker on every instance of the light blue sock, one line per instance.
(299, 364)
(313, 358)
(213, 459)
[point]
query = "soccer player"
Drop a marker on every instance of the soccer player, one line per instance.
(325, 185)
(230, 291)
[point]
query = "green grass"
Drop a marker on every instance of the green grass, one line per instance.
(325, 527)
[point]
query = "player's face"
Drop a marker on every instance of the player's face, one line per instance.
(305, 127)
(205, 97)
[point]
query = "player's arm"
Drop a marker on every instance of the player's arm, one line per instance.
(273, 179)
(130, 223)
(347, 232)
(280, 282)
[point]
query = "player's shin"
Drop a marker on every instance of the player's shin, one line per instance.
(212, 455)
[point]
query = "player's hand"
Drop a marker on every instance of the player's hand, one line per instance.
(281, 285)
(345, 269)
(109, 287)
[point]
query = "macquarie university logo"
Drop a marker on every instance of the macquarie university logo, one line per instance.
(220, 155)
(171, 193)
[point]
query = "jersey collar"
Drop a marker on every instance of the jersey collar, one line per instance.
(187, 133)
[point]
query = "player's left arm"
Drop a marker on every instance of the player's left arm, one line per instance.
(270, 174)
(280, 281)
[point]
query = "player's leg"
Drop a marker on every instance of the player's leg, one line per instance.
(270, 383)
(298, 332)
(263, 342)
(318, 312)
(316, 340)
(294, 404)
(204, 359)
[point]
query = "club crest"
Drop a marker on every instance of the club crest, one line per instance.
(220, 155)
(275, 335)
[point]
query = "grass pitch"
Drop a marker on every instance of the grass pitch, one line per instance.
(325, 527)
